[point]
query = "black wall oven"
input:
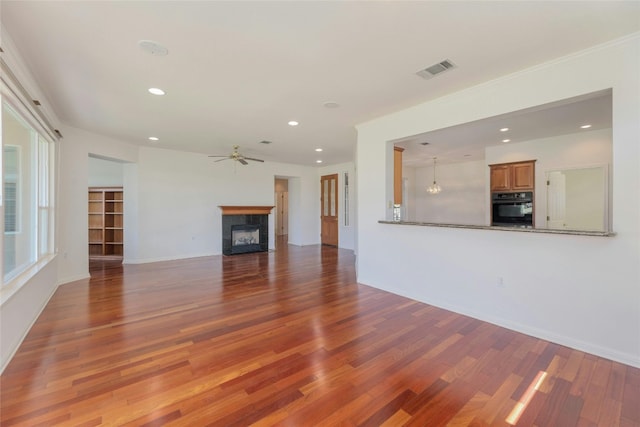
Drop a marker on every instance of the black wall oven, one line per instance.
(512, 209)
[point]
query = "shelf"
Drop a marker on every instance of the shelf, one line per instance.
(106, 222)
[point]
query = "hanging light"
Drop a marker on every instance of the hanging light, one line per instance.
(434, 188)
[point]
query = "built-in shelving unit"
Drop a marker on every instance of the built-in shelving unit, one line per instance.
(106, 231)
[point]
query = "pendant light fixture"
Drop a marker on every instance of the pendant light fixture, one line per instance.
(434, 188)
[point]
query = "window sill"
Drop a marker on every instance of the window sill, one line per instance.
(9, 289)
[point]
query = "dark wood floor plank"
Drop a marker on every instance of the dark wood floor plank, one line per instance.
(288, 338)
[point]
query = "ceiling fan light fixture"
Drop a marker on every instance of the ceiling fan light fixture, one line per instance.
(237, 157)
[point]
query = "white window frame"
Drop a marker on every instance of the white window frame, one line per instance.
(14, 281)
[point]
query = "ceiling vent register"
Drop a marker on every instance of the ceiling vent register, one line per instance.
(436, 69)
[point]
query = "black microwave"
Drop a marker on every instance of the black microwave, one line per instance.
(512, 209)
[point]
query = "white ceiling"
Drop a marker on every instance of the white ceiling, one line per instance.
(238, 71)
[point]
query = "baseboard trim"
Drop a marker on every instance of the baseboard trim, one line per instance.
(73, 279)
(169, 258)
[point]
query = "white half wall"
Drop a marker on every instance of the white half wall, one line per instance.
(579, 291)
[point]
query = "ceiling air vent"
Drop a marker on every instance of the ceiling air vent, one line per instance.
(434, 70)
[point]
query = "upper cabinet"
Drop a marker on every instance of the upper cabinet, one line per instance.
(397, 175)
(518, 176)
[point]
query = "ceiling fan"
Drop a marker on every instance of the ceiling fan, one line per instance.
(237, 157)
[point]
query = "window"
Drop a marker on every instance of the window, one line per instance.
(11, 160)
(27, 169)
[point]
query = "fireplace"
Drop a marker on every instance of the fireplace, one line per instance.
(245, 238)
(245, 229)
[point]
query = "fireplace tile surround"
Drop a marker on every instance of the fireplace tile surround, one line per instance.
(241, 218)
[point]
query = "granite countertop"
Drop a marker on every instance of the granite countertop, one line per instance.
(495, 228)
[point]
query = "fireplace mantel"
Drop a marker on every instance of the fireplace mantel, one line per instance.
(246, 210)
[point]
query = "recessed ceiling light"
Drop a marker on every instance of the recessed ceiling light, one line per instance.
(504, 129)
(293, 123)
(585, 126)
(154, 138)
(156, 91)
(331, 104)
(318, 161)
(154, 48)
(506, 140)
(318, 149)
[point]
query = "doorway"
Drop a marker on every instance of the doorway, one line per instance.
(281, 211)
(105, 212)
(329, 209)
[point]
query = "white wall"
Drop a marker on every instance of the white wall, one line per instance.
(463, 199)
(172, 199)
(576, 150)
(21, 310)
(579, 291)
(178, 198)
(73, 176)
(346, 232)
(105, 173)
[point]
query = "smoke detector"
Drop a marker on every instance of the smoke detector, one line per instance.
(436, 69)
(153, 48)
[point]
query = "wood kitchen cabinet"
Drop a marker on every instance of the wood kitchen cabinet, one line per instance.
(397, 175)
(519, 176)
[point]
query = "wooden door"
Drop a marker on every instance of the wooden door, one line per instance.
(556, 199)
(282, 213)
(329, 209)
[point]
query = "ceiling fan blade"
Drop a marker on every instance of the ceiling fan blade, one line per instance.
(241, 160)
(219, 156)
(255, 160)
(226, 158)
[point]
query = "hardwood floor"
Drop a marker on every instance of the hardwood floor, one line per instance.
(288, 338)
